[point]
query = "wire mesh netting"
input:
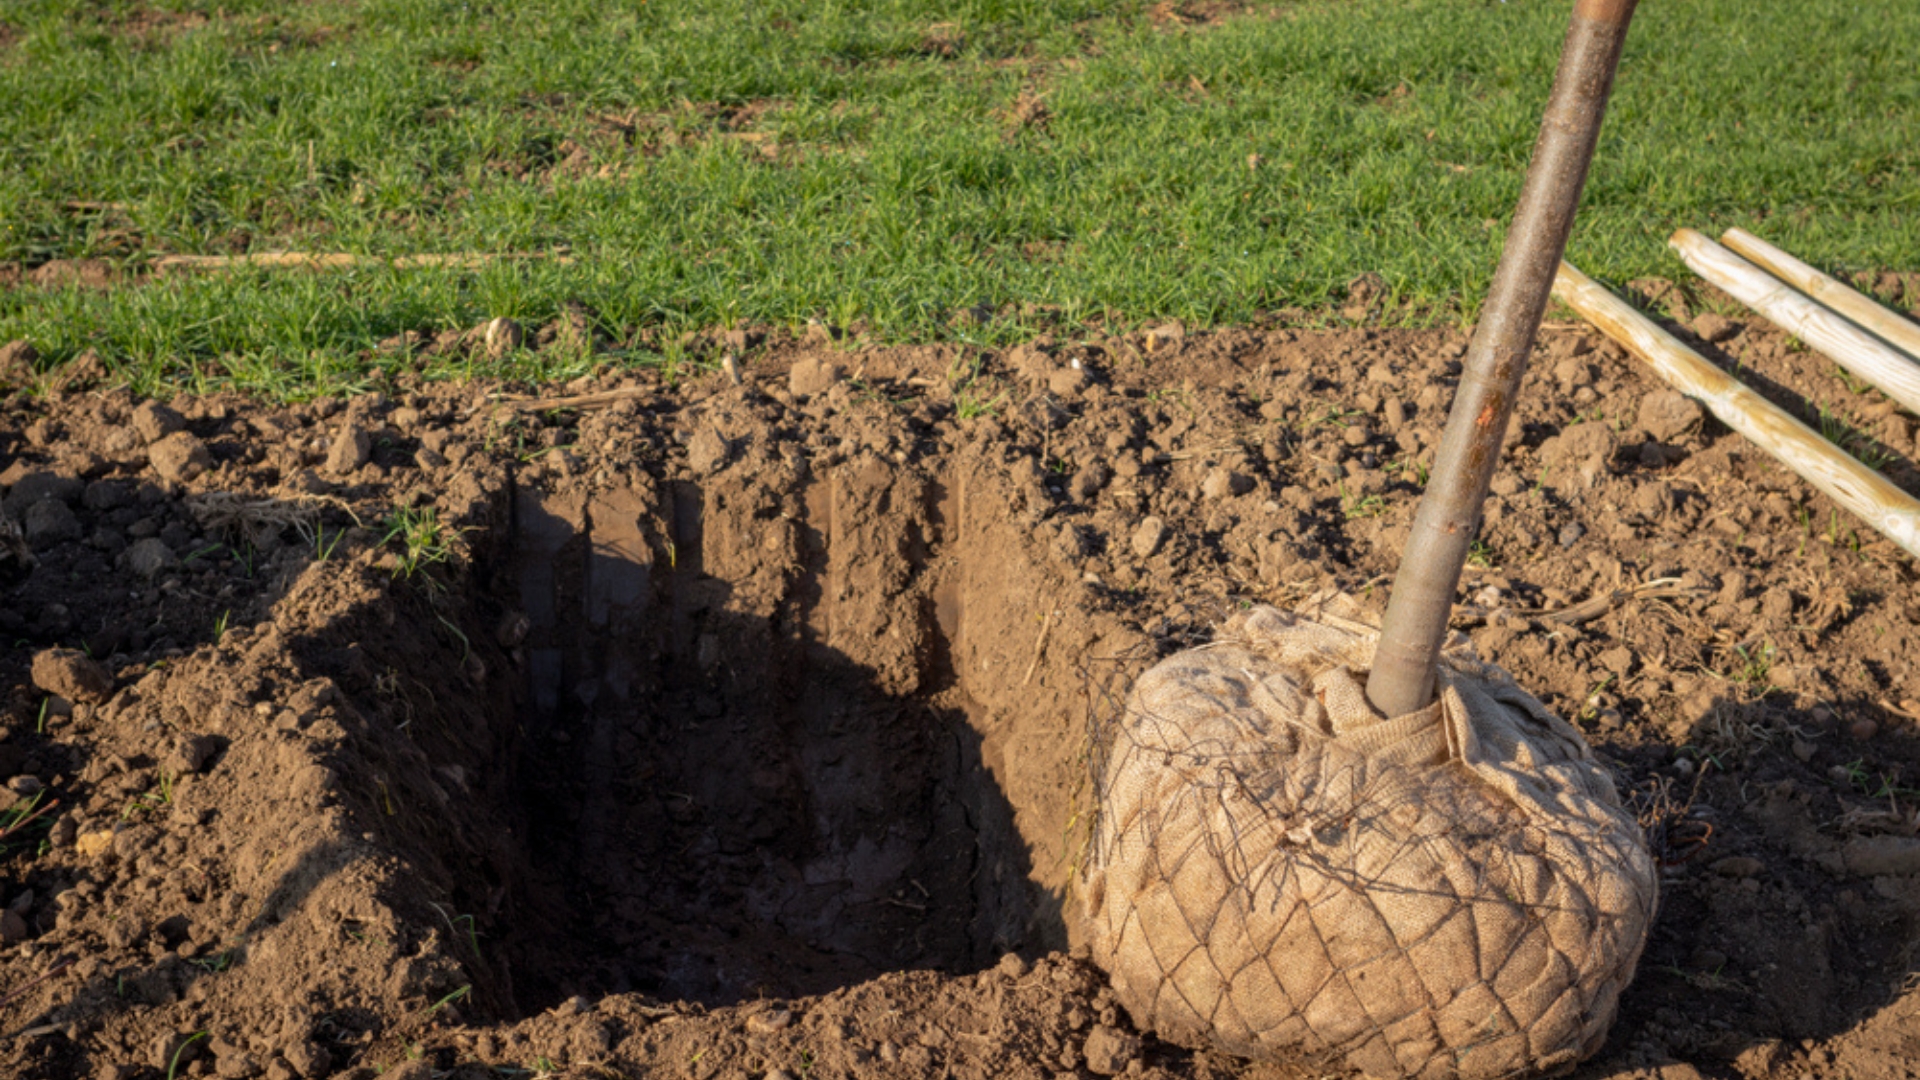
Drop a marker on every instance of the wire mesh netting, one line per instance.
(1277, 871)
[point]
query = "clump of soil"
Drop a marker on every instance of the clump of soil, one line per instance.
(718, 730)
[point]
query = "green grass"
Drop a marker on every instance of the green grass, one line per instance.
(423, 540)
(782, 159)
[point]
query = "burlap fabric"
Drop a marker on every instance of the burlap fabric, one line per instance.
(1281, 873)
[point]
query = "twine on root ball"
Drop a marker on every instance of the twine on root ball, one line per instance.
(1280, 872)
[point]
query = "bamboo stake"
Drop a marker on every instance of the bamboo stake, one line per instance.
(1888, 325)
(1860, 490)
(578, 401)
(1404, 661)
(1841, 341)
(335, 260)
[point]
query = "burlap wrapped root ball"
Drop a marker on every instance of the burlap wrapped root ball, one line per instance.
(1279, 872)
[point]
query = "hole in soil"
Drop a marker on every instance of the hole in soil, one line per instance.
(743, 763)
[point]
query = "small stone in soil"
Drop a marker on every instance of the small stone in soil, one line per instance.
(500, 337)
(1148, 537)
(71, 674)
(1571, 534)
(1162, 338)
(94, 843)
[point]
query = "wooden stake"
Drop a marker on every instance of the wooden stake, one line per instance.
(335, 260)
(1888, 325)
(1860, 490)
(1846, 344)
(578, 401)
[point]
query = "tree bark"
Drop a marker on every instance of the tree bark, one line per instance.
(1449, 516)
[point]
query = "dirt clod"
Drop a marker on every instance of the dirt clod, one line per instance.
(192, 753)
(308, 1059)
(1714, 327)
(148, 557)
(1225, 484)
(1669, 414)
(1067, 381)
(812, 376)
(71, 674)
(1109, 1051)
(155, 421)
(351, 448)
(707, 451)
(49, 522)
(180, 457)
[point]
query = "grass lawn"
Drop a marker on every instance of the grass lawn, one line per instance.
(888, 162)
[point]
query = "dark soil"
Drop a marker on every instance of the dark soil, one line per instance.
(711, 730)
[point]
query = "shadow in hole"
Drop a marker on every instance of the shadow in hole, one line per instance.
(1773, 930)
(718, 805)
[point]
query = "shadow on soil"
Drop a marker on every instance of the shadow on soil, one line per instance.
(1773, 928)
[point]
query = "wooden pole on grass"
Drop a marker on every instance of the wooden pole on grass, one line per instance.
(1859, 490)
(1886, 325)
(339, 260)
(1852, 348)
(1449, 516)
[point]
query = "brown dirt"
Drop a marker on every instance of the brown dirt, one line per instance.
(728, 733)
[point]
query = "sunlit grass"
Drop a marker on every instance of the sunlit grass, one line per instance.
(873, 161)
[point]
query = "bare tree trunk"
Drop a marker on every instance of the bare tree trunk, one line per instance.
(1449, 514)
